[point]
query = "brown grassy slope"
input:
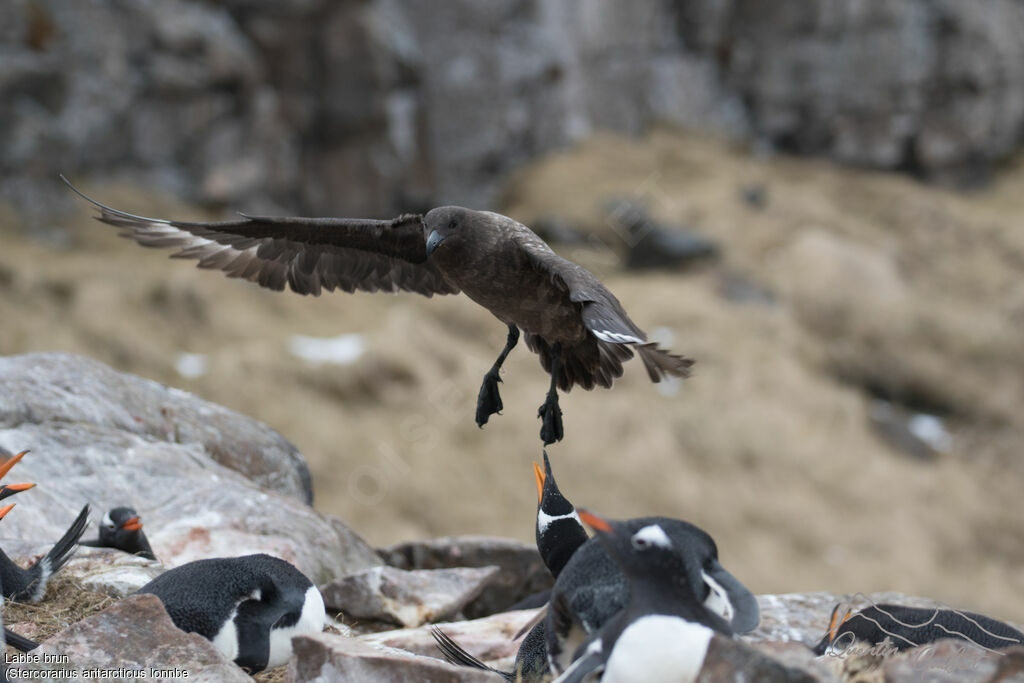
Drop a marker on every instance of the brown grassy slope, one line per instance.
(764, 446)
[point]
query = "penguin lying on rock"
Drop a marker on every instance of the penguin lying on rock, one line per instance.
(907, 627)
(248, 607)
(593, 584)
(121, 528)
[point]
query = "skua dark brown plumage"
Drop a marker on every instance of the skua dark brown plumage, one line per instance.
(578, 328)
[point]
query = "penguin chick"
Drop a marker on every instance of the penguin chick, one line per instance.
(29, 584)
(248, 607)
(121, 529)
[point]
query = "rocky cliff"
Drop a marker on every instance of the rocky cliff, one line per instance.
(370, 107)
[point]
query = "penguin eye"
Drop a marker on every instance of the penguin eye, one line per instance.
(109, 526)
(639, 542)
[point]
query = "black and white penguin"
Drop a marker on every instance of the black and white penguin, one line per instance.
(8, 636)
(559, 533)
(121, 528)
(595, 587)
(907, 627)
(248, 607)
(29, 585)
(663, 633)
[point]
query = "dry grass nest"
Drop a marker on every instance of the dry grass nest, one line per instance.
(67, 601)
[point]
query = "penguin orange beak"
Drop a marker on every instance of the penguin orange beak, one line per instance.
(6, 467)
(132, 524)
(836, 621)
(538, 474)
(5, 509)
(10, 489)
(594, 521)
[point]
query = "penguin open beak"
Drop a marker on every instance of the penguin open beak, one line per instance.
(132, 524)
(6, 467)
(593, 521)
(5, 509)
(10, 489)
(433, 241)
(538, 474)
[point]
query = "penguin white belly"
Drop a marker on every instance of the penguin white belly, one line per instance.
(312, 620)
(658, 649)
(226, 639)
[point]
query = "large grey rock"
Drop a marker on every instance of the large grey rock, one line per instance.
(730, 661)
(347, 108)
(134, 635)
(937, 87)
(522, 571)
(111, 571)
(406, 598)
(946, 661)
(490, 639)
(327, 657)
(57, 388)
(97, 437)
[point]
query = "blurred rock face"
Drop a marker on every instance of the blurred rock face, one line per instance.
(374, 107)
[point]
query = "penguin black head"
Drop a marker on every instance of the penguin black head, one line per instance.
(559, 529)
(645, 551)
(664, 549)
(121, 528)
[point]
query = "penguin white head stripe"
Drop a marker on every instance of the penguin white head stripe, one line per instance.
(651, 535)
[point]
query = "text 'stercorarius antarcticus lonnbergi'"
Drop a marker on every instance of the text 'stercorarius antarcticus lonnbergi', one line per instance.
(577, 327)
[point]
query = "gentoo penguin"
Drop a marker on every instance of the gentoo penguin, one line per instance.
(249, 607)
(121, 528)
(662, 634)
(9, 637)
(596, 588)
(29, 585)
(559, 529)
(907, 627)
(559, 532)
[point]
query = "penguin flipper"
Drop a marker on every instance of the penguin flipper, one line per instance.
(59, 554)
(20, 643)
(564, 632)
(455, 654)
(590, 663)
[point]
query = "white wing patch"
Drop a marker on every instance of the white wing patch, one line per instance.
(616, 338)
(718, 599)
(653, 535)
